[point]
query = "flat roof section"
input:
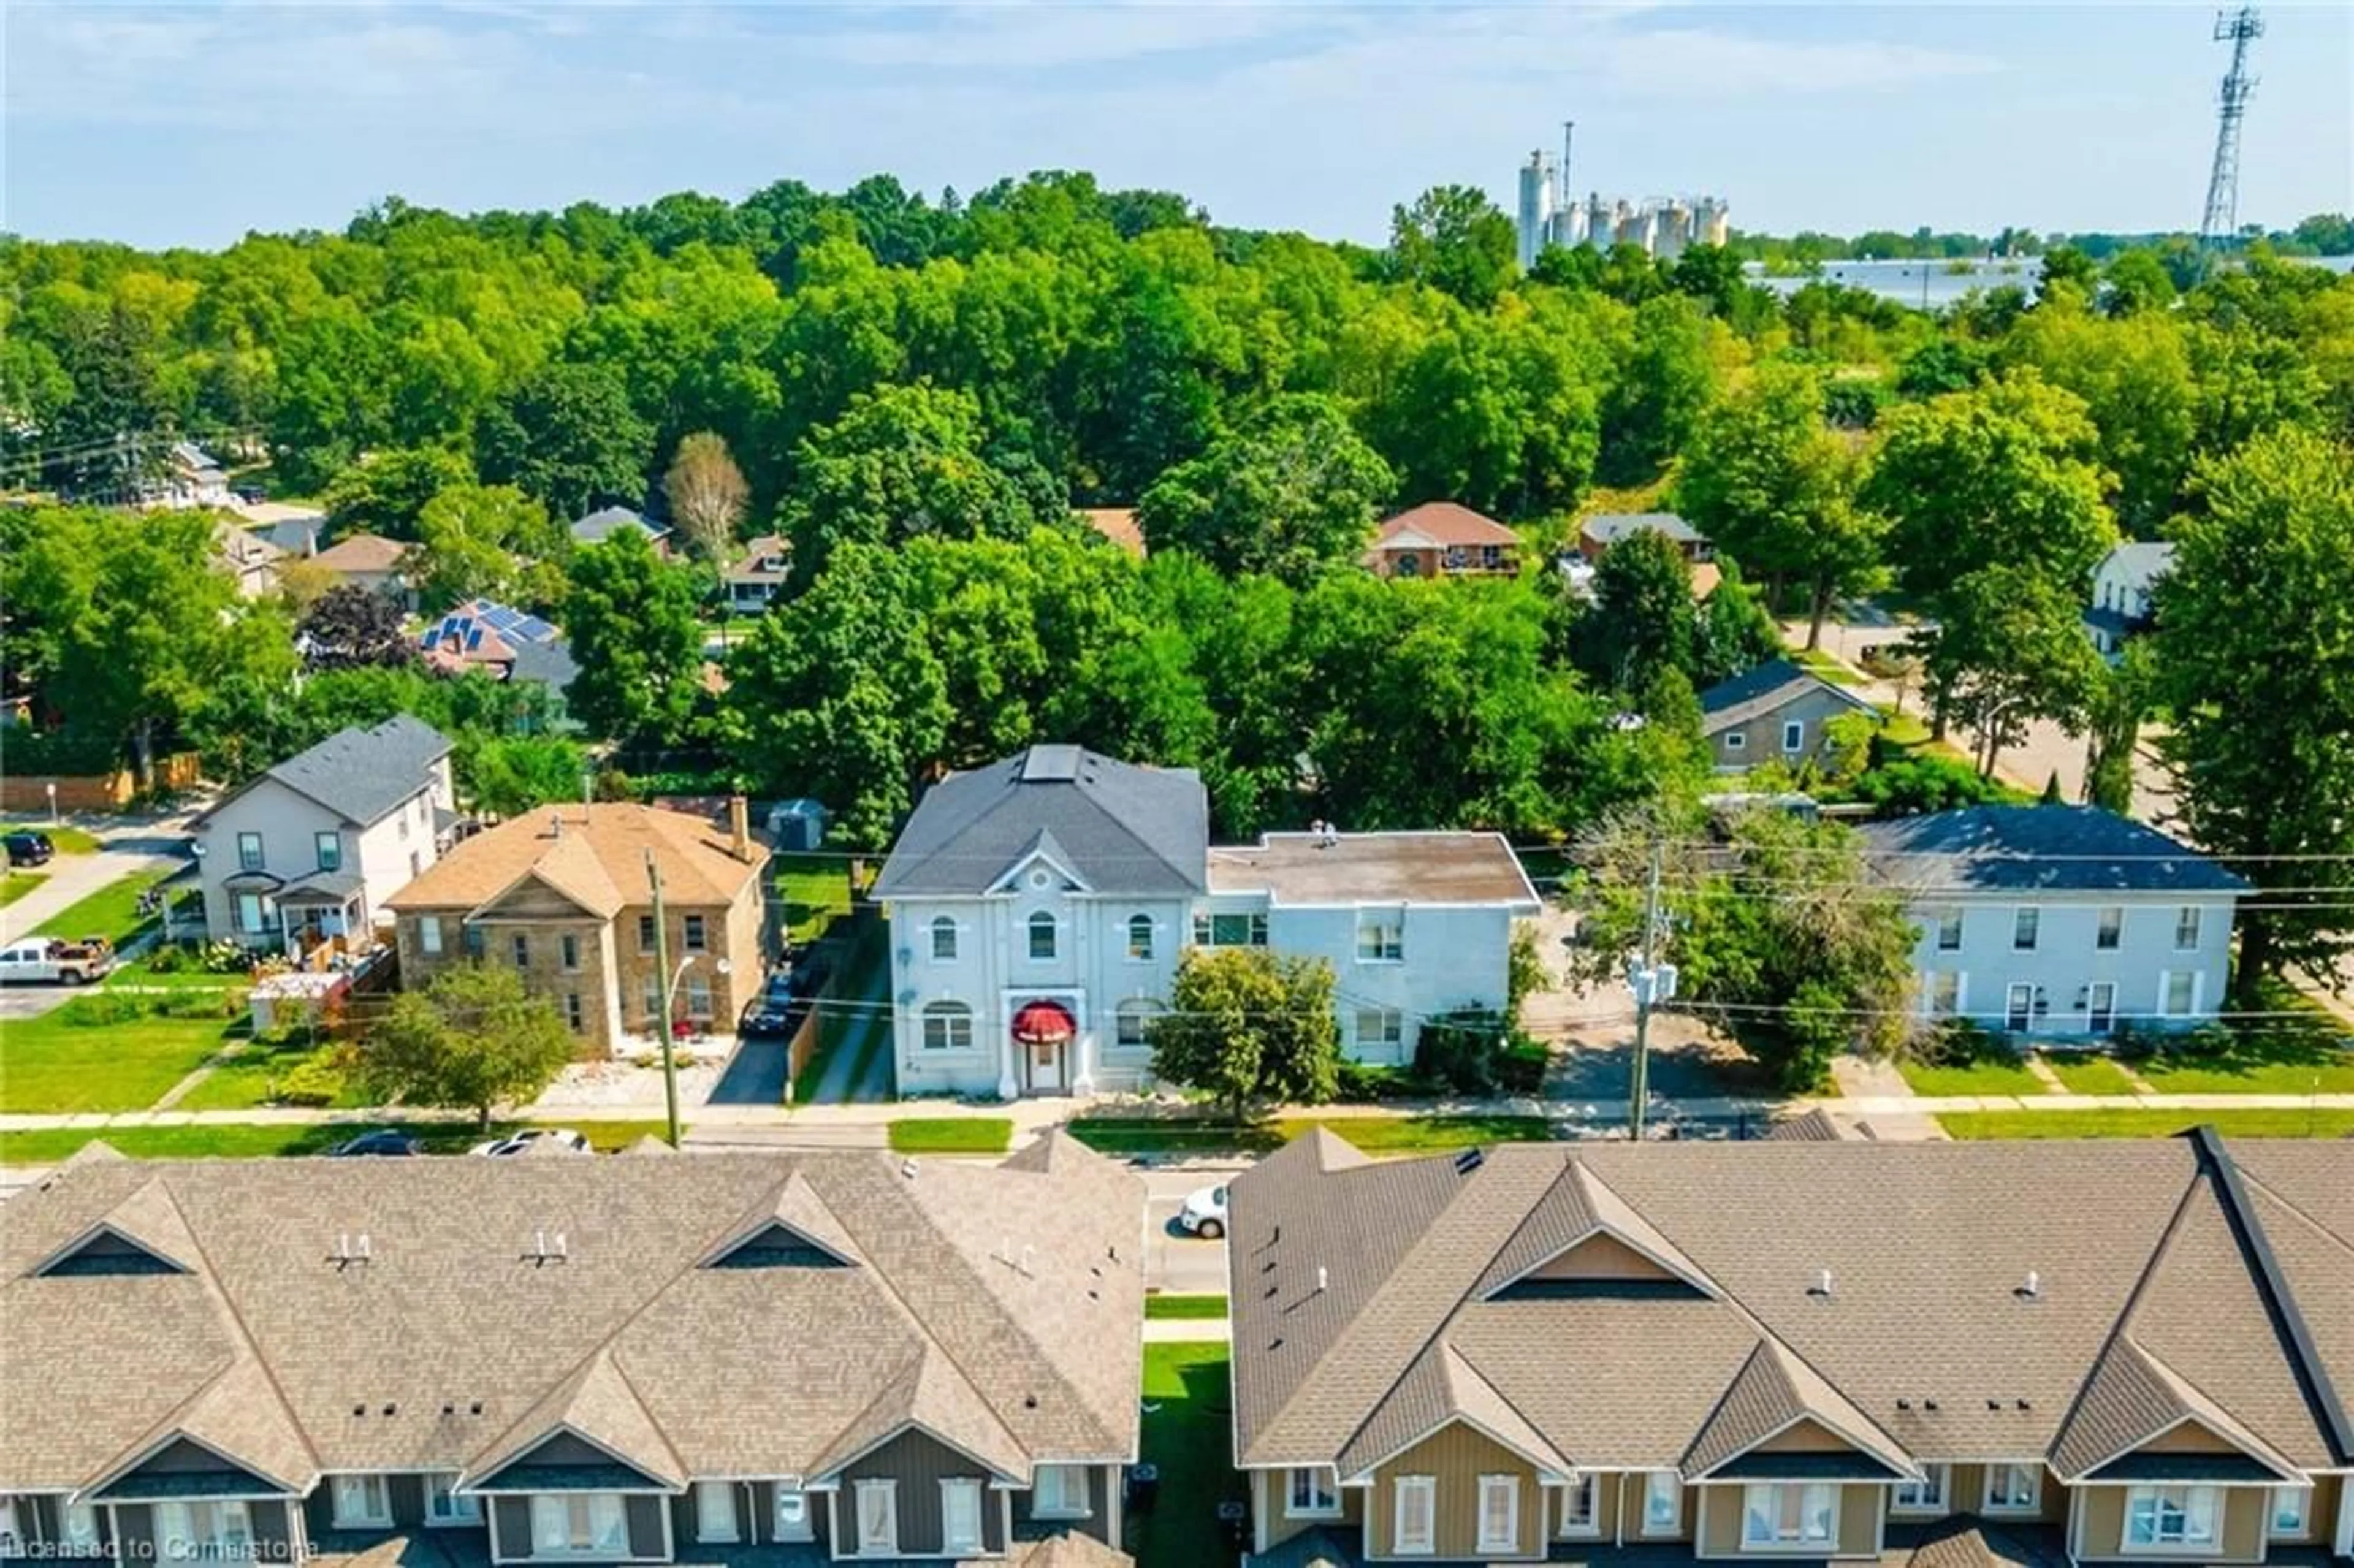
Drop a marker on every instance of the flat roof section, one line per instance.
(1374, 868)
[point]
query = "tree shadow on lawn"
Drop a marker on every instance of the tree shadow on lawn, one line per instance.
(1684, 1069)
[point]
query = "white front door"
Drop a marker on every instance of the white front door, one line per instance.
(1045, 1066)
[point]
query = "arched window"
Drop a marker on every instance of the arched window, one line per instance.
(1042, 936)
(944, 938)
(948, 1027)
(1132, 1024)
(1139, 935)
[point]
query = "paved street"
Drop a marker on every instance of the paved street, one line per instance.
(73, 877)
(1174, 1262)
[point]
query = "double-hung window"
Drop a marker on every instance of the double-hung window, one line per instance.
(362, 1503)
(77, 1529)
(1414, 1532)
(948, 1027)
(1663, 1503)
(792, 1520)
(691, 927)
(1060, 1491)
(2014, 1489)
(1949, 931)
(1499, 1514)
(2292, 1507)
(1140, 937)
(330, 847)
(714, 1511)
(1309, 1493)
(1577, 1509)
(2171, 1518)
(1042, 937)
(944, 939)
(2024, 925)
(645, 933)
(1794, 736)
(1381, 935)
(249, 852)
(568, 948)
(429, 934)
(2111, 929)
(520, 945)
(960, 1516)
(877, 1505)
(199, 1529)
(444, 1504)
(252, 914)
(1927, 1495)
(2178, 992)
(1229, 930)
(2185, 928)
(578, 1524)
(1789, 1517)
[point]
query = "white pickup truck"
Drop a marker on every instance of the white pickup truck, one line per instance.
(46, 959)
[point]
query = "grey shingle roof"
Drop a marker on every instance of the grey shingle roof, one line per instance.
(2002, 849)
(1762, 689)
(1926, 1346)
(361, 774)
(607, 521)
(1118, 826)
(1607, 529)
(451, 1348)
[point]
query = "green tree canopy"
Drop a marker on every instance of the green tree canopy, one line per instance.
(1250, 1028)
(631, 618)
(2255, 658)
(471, 1039)
(568, 438)
(1457, 240)
(386, 492)
(477, 540)
(1292, 491)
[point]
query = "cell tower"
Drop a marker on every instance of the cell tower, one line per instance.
(2239, 28)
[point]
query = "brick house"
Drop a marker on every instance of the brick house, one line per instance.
(563, 893)
(1442, 539)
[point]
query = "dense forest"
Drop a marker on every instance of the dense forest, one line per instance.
(917, 393)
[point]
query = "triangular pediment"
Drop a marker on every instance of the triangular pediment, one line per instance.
(141, 1235)
(592, 1427)
(1042, 855)
(1581, 1238)
(791, 1228)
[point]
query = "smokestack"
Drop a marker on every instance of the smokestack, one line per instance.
(740, 827)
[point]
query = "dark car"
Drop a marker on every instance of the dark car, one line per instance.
(30, 849)
(766, 1019)
(382, 1140)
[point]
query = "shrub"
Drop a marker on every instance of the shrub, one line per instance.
(1959, 1043)
(1460, 1051)
(1521, 1069)
(98, 1009)
(316, 1082)
(1364, 1081)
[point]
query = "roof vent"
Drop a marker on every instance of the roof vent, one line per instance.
(1470, 1160)
(1903, 1404)
(348, 1252)
(1822, 1285)
(1323, 1280)
(475, 1409)
(556, 824)
(2031, 1289)
(547, 1249)
(908, 1168)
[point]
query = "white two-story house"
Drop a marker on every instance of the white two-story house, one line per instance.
(2124, 594)
(309, 850)
(2060, 921)
(1040, 907)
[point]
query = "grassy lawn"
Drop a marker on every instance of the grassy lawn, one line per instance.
(2089, 1074)
(49, 1146)
(1188, 1308)
(64, 840)
(2281, 1061)
(1374, 1134)
(1988, 1075)
(2146, 1123)
(816, 892)
(78, 1058)
(953, 1135)
(16, 884)
(1188, 1423)
(253, 1077)
(141, 972)
(112, 911)
(1830, 668)
(1903, 729)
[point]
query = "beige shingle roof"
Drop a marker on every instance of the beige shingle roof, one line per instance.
(594, 855)
(451, 1344)
(1925, 1347)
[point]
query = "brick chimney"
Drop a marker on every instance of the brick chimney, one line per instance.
(739, 828)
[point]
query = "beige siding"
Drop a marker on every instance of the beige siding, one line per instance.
(2100, 1524)
(919, 1465)
(1456, 1457)
(2190, 1437)
(1628, 1505)
(1270, 1489)
(1606, 1510)
(1719, 1511)
(1600, 1257)
(1762, 734)
(1806, 1437)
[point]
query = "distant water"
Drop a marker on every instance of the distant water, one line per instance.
(1930, 285)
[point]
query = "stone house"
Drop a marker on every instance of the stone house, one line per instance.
(563, 893)
(1774, 713)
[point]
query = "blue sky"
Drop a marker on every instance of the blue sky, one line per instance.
(191, 124)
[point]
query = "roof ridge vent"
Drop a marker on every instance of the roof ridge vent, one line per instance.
(2031, 1287)
(1821, 1288)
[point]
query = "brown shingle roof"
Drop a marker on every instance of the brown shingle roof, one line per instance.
(362, 553)
(1442, 524)
(451, 1346)
(1924, 1348)
(594, 855)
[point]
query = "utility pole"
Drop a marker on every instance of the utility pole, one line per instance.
(1653, 983)
(662, 967)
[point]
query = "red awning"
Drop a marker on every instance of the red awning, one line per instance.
(1044, 1023)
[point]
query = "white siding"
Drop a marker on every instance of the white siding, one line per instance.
(2067, 961)
(289, 824)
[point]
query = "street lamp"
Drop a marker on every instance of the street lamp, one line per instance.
(52, 788)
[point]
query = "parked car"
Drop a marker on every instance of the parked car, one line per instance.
(1205, 1212)
(30, 849)
(767, 1016)
(381, 1140)
(533, 1141)
(46, 960)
